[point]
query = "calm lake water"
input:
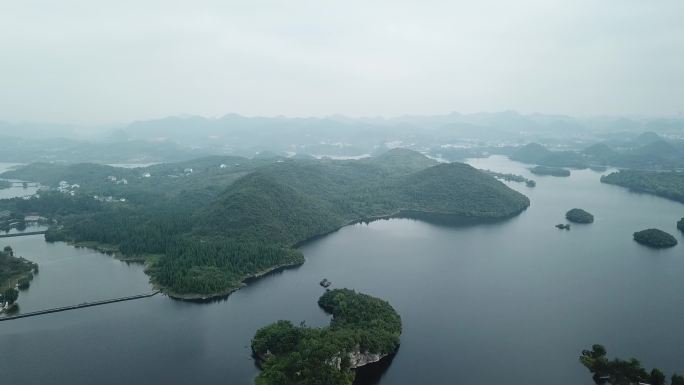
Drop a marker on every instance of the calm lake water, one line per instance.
(14, 191)
(513, 302)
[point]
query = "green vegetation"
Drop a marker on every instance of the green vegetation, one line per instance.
(363, 329)
(10, 295)
(10, 220)
(535, 153)
(648, 151)
(553, 171)
(579, 216)
(204, 231)
(15, 270)
(621, 372)
(665, 184)
(655, 238)
(511, 177)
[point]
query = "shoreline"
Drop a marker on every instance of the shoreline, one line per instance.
(449, 219)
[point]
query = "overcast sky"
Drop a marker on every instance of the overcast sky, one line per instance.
(92, 62)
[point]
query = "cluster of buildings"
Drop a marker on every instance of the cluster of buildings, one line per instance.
(115, 180)
(108, 199)
(65, 188)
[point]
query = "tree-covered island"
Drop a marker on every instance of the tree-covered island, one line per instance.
(553, 171)
(655, 238)
(363, 330)
(204, 226)
(622, 372)
(579, 216)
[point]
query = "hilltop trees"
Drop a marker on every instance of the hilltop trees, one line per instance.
(621, 372)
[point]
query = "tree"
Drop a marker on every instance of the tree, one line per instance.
(657, 377)
(8, 250)
(677, 379)
(598, 350)
(10, 295)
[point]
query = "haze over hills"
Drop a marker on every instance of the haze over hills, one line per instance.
(451, 136)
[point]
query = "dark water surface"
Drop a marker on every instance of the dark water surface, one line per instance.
(507, 303)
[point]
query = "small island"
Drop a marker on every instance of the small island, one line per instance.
(619, 371)
(363, 330)
(563, 226)
(553, 171)
(655, 238)
(680, 225)
(579, 216)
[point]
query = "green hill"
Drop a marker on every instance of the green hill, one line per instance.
(535, 153)
(204, 231)
(668, 184)
(363, 330)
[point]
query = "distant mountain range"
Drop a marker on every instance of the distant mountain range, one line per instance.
(451, 136)
(645, 151)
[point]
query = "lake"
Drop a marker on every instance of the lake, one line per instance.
(513, 302)
(15, 191)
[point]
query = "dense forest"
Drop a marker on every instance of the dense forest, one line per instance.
(665, 184)
(206, 225)
(361, 326)
(655, 238)
(14, 271)
(553, 171)
(579, 216)
(510, 177)
(622, 372)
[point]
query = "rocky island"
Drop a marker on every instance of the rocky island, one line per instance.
(680, 225)
(553, 171)
(363, 330)
(579, 216)
(655, 238)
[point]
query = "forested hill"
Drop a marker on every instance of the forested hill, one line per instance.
(292, 201)
(211, 225)
(665, 184)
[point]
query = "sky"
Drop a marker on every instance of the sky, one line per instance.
(102, 62)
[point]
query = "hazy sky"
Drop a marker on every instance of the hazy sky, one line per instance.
(92, 62)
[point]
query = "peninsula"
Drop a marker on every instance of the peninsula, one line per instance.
(204, 226)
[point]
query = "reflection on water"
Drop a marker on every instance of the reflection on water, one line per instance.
(512, 302)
